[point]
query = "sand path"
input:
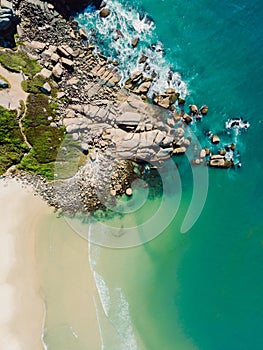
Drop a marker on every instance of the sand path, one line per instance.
(9, 98)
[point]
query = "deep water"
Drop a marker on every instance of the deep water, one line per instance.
(203, 290)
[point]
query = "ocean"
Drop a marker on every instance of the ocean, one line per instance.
(201, 289)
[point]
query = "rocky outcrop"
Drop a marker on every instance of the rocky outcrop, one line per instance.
(167, 99)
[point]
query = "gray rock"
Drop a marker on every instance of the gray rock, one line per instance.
(162, 100)
(143, 88)
(129, 118)
(65, 51)
(67, 62)
(54, 57)
(37, 45)
(84, 146)
(46, 73)
(179, 150)
(3, 84)
(46, 88)
(57, 71)
(75, 136)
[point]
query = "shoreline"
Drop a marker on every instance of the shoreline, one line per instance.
(24, 298)
(24, 324)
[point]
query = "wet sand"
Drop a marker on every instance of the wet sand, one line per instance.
(21, 305)
(46, 286)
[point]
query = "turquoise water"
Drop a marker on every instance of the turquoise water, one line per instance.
(203, 290)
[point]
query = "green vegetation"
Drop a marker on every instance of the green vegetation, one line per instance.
(12, 146)
(44, 139)
(33, 84)
(30, 163)
(69, 158)
(17, 61)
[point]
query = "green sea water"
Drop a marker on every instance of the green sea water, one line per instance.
(202, 289)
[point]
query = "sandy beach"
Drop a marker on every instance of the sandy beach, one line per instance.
(33, 277)
(22, 308)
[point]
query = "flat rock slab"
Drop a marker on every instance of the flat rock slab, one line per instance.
(129, 118)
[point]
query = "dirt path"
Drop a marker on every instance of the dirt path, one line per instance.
(9, 98)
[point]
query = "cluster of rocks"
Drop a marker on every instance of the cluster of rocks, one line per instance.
(219, 160)
(112, 127)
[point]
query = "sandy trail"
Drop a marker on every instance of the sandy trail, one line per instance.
(9, 98)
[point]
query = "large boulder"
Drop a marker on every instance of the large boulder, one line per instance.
(129, 118)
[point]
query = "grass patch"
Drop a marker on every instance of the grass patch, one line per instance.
(69, 158)
(30, 163)
(17, 61)
(33, 84)
(12, 146)
(44, 139)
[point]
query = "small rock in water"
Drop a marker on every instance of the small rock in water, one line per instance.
(143, 59)
(135, 42)
(204, 110)
(202, 153)
(215, 138)
(104, 12)
(193, 109)
(129, 192)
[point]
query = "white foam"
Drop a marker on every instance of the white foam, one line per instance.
(115, 307)
(103, 291)
(123, 322)
(132, 25)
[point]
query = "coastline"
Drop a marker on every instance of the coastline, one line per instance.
(22, 306)
(23, 289)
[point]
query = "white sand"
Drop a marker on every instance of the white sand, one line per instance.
(9, 98)
(22, 308)
(41, 258)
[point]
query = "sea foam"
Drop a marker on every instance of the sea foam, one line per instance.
(132, 23)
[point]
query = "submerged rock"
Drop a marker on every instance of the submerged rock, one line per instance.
(204, 110)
